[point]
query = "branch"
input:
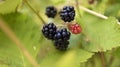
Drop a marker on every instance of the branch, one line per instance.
(39, 16)
(17, 42)
(103, 61)
(95, 13)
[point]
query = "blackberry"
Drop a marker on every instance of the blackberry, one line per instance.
(67, 14)
(61, 39)
(49, 30)
(75, 28)
(51, 11)
(62, 35)
(61, 45)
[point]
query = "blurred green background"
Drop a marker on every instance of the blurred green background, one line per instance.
(97, 45)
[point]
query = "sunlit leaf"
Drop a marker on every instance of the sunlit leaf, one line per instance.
(27, 31)
(71, 57)
(8, 6)
(101, 34)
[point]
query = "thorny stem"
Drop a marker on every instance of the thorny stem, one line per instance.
(103, 61)
(17, 42)
(39, 16)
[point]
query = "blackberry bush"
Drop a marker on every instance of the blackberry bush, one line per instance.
(51, 11)
(49, 30)
(67, 14)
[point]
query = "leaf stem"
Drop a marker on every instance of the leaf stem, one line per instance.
(103, 61)
(17, 42)
(39, 16)
(95, 13)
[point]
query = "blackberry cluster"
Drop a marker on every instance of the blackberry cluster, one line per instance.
(61, 39)
(61, 36)
(51, 11)
(67, 14)
(49, 30)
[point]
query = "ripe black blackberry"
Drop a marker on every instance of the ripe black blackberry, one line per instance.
(61, 39)
(61, 45)
(67, 14)
(62, 35)
(51, 11)
(49, 30)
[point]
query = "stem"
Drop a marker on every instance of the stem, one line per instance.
(110, 62)
(59, 25)
(92, 12)
(39, 16)
(95, 13)
(17, 42)
(103, 61)
(77, 6)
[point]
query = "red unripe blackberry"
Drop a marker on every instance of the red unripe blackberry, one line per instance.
(75, 28)
(51, 11)
(49, 30)
(67, 14)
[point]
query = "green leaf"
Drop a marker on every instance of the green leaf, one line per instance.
(117, 53)
(113, 10)
(100, 35)
(114, 2)
(8, 6)
(70, 58)
(27, 31)
(10, 56)
(66, 59)
(100, 6)
(73, 58)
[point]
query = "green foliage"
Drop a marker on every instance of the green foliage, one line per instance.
(102, 34)
(100, 6)
(114, 1)
(73, 57)
(97, 35)
(8, 6)
(70, 58)
(27, 31)
(113, 10)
